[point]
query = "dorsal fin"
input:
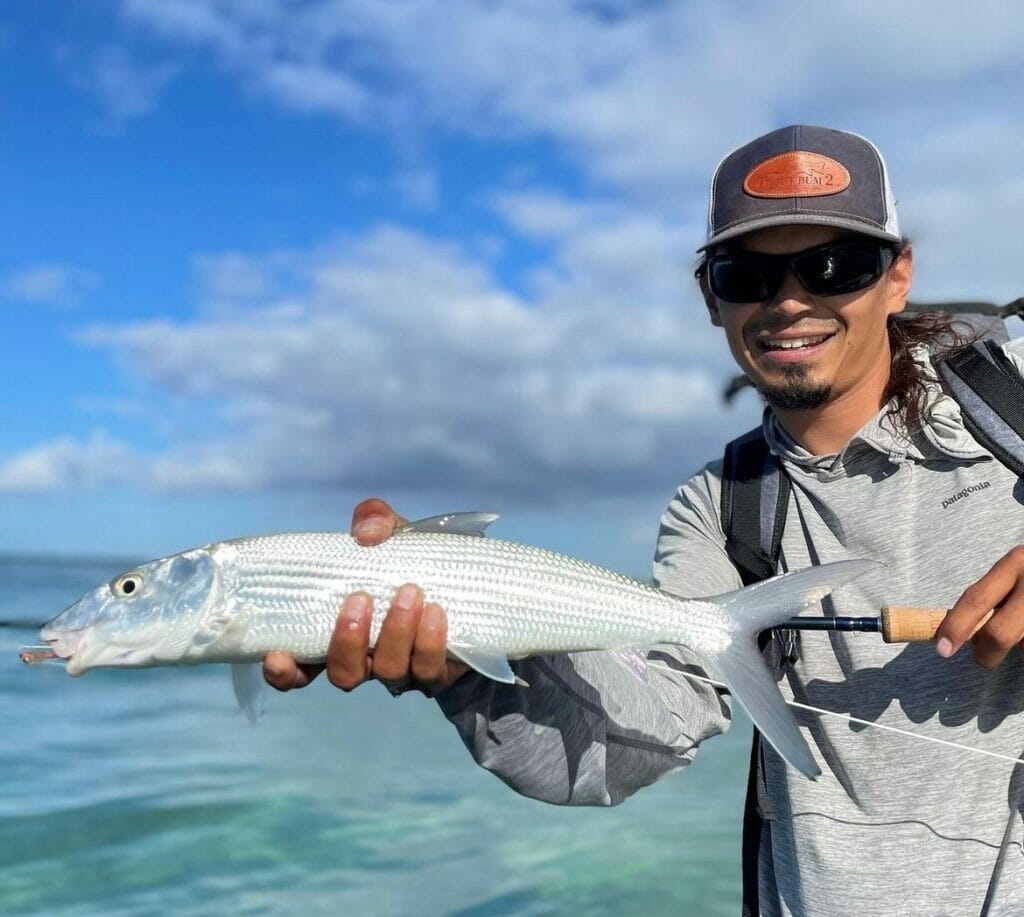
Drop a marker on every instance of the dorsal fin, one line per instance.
(452, 523)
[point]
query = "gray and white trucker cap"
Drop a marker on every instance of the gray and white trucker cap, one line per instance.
(803, 175)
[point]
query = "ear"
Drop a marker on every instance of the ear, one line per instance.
(711, 302)
(900, 277)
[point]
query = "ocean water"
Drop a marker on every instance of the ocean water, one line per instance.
(147, 792)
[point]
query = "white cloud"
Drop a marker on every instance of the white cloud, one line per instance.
(314, 87)
(402, 362)
(48, 284)
(646, 97)
(418, 187)
(397, 359)
(125, 84)
(961, 210)
(549, 215)
(69, 463)
(231, 279)
(215, 467)
(630, 267)
(646, 94)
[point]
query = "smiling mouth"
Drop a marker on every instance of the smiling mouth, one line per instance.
(807, 342)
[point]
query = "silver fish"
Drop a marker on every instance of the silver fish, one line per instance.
(234, 601)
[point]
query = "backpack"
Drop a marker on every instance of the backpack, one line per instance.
(756, 491)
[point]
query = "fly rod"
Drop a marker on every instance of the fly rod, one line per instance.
(896, 624)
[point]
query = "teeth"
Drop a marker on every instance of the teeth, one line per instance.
(794, 343)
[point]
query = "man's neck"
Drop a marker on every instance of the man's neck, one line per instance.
(827, 430)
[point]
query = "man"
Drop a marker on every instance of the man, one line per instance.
(804, 269)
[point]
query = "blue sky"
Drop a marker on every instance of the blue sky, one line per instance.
(265, 258)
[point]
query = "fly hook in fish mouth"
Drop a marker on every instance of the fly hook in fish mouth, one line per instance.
(35, 655)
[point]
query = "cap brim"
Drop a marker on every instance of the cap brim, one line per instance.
(799, 219)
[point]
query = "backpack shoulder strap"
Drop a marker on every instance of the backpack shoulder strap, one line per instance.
(755, 497)
(990, 392)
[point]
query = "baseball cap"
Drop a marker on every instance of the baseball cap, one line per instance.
(805, 175)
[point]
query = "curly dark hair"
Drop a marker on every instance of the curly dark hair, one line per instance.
(907, 389)
(940, 333)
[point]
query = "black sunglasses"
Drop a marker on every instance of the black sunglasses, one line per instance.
(825, 270)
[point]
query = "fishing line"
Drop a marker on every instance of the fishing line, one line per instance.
(860, 722)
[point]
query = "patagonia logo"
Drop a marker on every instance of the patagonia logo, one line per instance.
(967, 491)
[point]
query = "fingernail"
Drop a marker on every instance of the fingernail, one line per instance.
(944, 647)
(355, 606)
(408, 596)
(433, 617)
(372, 529)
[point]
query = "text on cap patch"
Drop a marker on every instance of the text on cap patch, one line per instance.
(797, 173)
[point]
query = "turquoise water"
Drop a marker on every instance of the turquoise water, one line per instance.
(147, 792)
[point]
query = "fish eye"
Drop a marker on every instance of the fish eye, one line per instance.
(125, 585)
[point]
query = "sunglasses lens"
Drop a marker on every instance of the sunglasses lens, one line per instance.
(830, 271)
(744, 277)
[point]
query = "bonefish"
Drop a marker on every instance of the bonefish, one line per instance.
(234, 601)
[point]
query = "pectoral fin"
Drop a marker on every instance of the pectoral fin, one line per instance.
(247, 679)
(487, 662)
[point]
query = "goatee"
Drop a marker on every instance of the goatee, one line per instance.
(797, 393)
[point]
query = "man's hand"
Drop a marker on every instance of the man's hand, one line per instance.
(1002, 589)
(411, 649)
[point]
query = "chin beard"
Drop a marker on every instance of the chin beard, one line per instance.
(797, 393)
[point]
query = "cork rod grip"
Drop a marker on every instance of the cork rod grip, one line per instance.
(915, 625)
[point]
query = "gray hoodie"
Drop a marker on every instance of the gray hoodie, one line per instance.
(893, 824)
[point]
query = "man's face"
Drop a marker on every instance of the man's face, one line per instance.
(843, 347)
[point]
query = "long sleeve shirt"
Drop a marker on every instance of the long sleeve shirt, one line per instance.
(893, 822)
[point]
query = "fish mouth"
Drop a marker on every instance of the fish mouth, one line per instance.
(80, 651)
(64, 646)
(64, 642)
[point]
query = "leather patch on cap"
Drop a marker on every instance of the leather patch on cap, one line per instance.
(796, 174)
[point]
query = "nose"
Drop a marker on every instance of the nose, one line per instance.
(791, 297)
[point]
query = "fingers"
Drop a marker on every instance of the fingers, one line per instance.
(429, 655)
(348, 661)
(282, 672)
(393, 652)
(959, 624)
(411, 647)
(374, 521)
(1003, 631)
(1002, 588)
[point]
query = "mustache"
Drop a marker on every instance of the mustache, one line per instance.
(810, 327)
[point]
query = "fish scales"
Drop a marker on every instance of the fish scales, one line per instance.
(519, 598)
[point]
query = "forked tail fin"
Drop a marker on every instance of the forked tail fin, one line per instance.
(741, 665)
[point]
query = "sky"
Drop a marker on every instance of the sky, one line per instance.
(264, 258)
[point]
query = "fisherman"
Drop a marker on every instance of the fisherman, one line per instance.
(806, 272)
